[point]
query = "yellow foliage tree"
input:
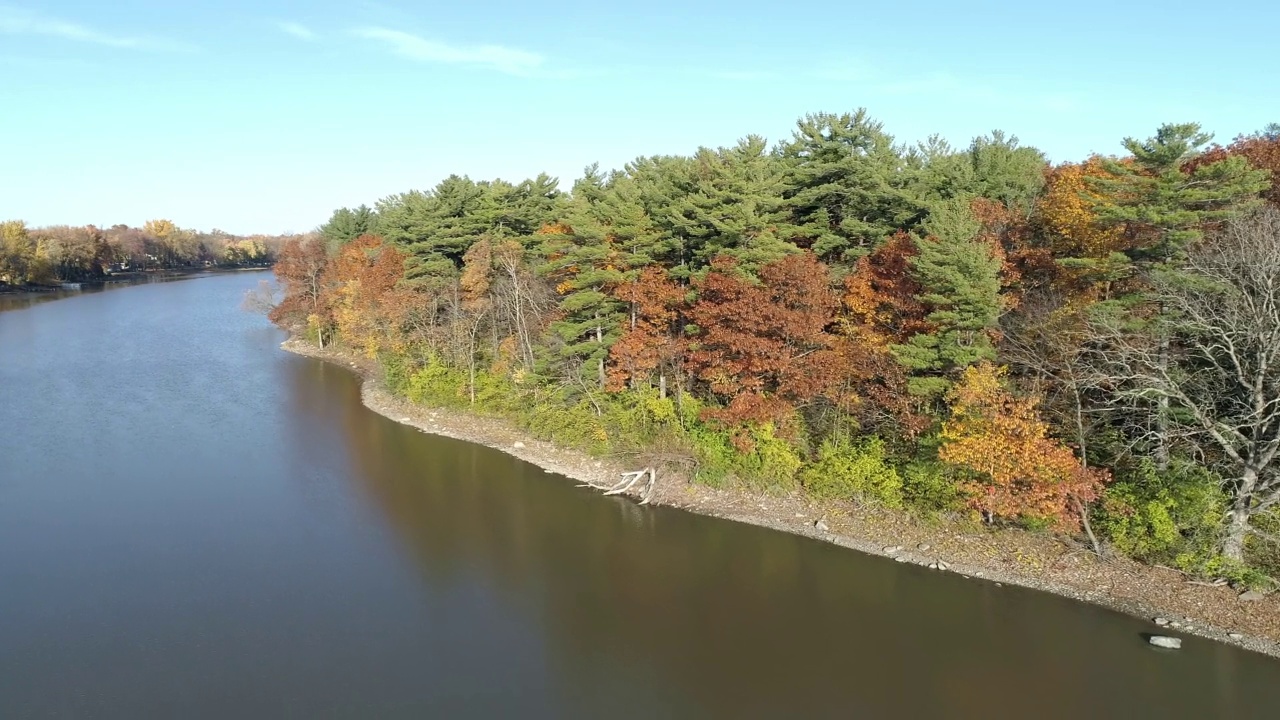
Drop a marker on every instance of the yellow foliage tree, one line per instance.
(21, 259)
(1066, 211)
(1017, 470)
(1091, 253)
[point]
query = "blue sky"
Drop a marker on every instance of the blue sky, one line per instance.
(265, 115)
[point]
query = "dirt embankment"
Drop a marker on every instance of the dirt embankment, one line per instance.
(1015, 557)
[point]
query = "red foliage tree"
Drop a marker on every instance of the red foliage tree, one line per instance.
(1026, 263)
(300, 269)
(1262, 152)
(765, 347)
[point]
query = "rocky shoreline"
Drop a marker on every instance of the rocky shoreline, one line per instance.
(1172, 602)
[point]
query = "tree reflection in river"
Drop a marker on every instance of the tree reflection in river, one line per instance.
(701, 616)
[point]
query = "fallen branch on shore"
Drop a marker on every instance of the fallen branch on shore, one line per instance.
(628, 480)
(1216, 583)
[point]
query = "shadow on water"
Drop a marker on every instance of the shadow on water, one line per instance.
(705, 616)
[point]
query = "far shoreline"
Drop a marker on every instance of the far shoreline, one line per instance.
(130, 278)
(1013, 557)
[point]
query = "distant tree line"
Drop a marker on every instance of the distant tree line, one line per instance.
(62, 253)
(1091, 346)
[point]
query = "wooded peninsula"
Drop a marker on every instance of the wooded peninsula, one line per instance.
(1087, 348)
(1090, 347)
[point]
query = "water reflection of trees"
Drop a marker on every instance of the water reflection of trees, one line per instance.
(651, 611)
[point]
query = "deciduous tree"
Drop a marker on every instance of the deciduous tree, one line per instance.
(300, 271)
(1019, 472)
(765, 347)
(650, 340)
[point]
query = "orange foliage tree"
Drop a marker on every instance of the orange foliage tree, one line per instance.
(649, 341)
(1018, 471)
(881, 297)
(880, 306)
(360, 280)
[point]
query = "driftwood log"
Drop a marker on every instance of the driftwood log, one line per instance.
(629, 479)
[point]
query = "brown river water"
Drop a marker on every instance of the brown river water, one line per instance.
(196, 524)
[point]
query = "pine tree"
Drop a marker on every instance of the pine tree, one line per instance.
(346, 225)
(1161, 197)
(848, 185)
(585, 269)
(1005, 171)
(729, 205)
(437, 227)
(960, 278)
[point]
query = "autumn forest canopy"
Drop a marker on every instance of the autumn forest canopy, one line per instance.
(1091, 347)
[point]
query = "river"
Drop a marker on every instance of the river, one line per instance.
(196, 524)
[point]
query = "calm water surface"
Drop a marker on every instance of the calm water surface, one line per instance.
(195, 524)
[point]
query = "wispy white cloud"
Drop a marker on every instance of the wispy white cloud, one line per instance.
(18, 21)
(298, 30)
(493, 57)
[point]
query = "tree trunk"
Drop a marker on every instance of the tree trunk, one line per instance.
(1238, 516)
(1162, 413)
(1088, 527)
(1237, 529)
(471, 378)
(600, 367)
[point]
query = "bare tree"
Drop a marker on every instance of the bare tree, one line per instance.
(1221, 377)
(1047, 343)
(260, 300)
(522, 299)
